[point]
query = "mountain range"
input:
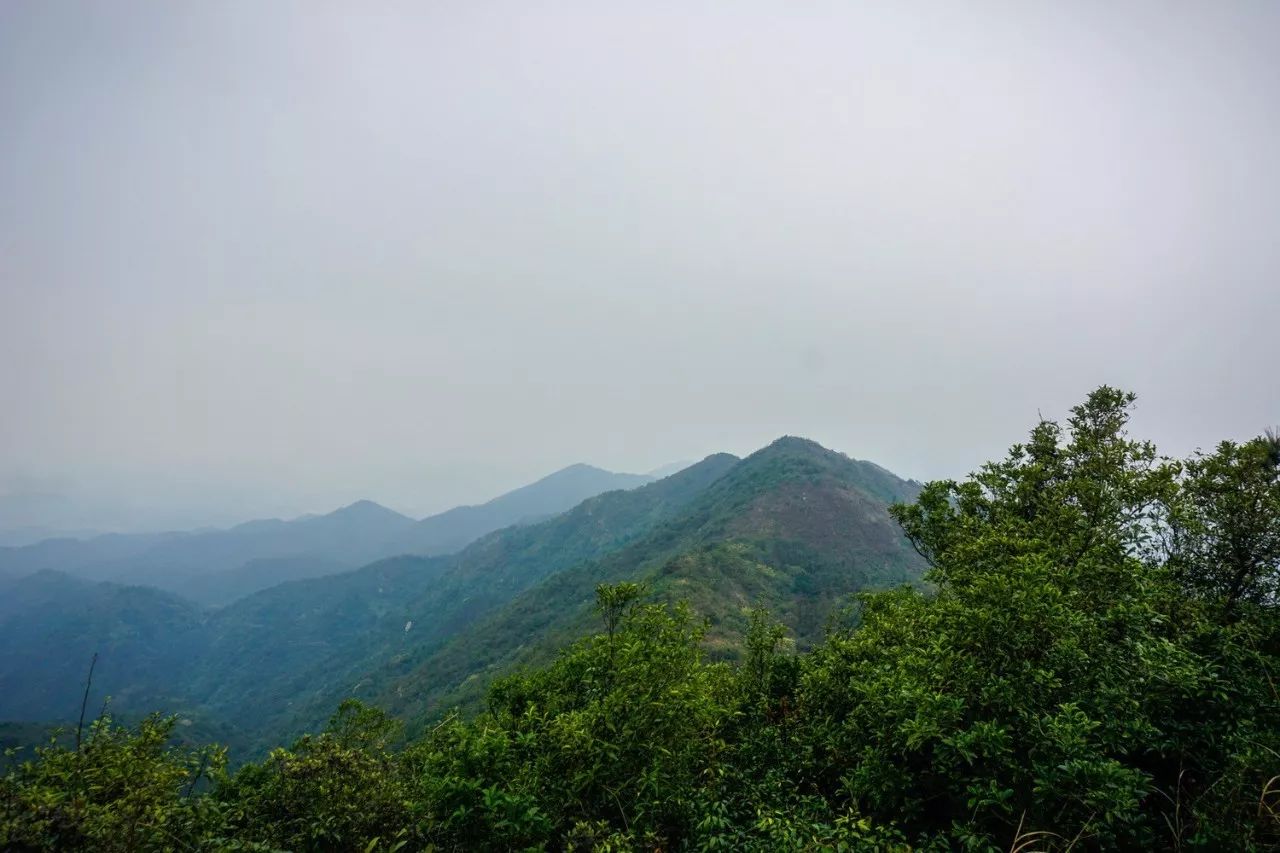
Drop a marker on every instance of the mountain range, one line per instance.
(793, 527)
(216, 567)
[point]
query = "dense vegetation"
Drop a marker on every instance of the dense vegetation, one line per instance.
(1093, 663)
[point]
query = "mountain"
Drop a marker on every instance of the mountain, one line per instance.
(281, 659)
(794, 527)
(70, 555)
(218, 589)
(29, 535)
(350, 536)
(52, 624)
(219, 566)
(453, 530)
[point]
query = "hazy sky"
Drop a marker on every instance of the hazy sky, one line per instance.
(267, 257)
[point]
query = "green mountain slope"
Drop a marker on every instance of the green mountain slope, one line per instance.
(454, 529)
(51, 625)
(794, 527)
(279, 661)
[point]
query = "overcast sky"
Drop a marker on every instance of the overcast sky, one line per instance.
(263, 258)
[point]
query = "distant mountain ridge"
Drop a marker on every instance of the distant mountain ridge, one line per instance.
(219, 566)
(456, 528)
(16, 537)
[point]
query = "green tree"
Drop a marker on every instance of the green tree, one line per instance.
(1046, 683)
(119, 789)
(622, 727)
(1225, 525)
(338, 790)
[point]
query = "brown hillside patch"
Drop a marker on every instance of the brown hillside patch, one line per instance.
(828, 517)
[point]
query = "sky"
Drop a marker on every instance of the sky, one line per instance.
(266, 258)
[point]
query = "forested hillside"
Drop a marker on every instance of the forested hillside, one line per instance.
(277, 661)
(1092, 665)
(52, 625)
(794, 527)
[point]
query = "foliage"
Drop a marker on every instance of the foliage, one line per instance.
(122, 789)
(1224, 528)
(336, 790)
(1057, 678)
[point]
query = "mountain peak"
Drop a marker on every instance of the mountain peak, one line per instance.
(792, 458)
(555, 493)
(582, 481)
(796, 443)
(578, 468)
(364, 509)
(796, 448)
(362, 505)
(587, 470)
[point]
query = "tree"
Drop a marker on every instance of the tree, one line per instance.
(119, 789)
(1042, 684)
(338, 790)
(1226, 525)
